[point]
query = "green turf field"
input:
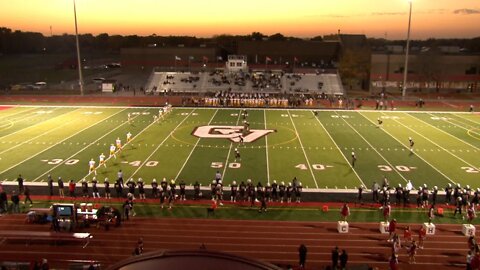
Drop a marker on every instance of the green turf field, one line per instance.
(37, 141)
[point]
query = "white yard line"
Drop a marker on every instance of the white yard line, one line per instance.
(158, 147)
(439, 146)
(266, 147)
(375, 149)
(31, 126)
(230, 149)
(447, 132)
(88, 145)
(339, 150)
(193, 149)
(42, 134)
(303, 149)
(60, 142)
(406, 145)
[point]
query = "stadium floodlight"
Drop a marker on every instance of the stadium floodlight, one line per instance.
(405, 69)
(79, 62)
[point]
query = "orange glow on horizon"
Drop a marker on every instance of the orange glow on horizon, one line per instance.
(302, 18)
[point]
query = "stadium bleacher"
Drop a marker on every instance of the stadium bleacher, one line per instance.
(275, 82)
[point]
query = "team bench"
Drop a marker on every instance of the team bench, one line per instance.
(56, 237)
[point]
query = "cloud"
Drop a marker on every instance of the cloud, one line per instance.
(466, 11)
(387, 13)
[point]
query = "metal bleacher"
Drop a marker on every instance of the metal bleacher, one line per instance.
(203, 82)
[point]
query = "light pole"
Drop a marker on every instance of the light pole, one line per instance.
(405, 69)
(79, 62)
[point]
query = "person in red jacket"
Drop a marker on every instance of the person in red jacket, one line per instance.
(345, 212)
(392, 226)
(422, 233)
(71, 188)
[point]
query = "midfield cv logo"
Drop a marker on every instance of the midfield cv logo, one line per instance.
(233, 133)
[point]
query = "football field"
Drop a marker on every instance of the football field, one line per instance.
(191, 144)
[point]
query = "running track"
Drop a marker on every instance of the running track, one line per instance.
(273, 241)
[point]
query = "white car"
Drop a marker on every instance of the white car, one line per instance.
(39, 85)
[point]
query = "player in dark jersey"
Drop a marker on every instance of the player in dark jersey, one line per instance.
(380, 122)
(281, 191)
(411, 143)
(154, 188)
(354, 159)
(237, 155)
(196, 191)
(233, 191)
(274, 191)
(242, 191)
(182, 191)
(141, 189)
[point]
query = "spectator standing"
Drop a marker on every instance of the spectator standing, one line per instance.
(20, 184)
(335, 256)
(3, 201)
(15, 202)
(412, 251)
(26, 192)
(422, 233)
(50, 185)
(61, 187)
(392, 227)
(387, 211)
(360, 194)
(393, 263)
(343, 259)
(302, 254)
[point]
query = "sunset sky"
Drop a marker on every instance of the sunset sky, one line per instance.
(302, 18)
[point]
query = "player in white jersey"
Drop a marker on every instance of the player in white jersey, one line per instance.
(129, 137)
(112, 150)
(118, 142)
(129, 116)
(101, 160)
(160, 113)
(91, 166)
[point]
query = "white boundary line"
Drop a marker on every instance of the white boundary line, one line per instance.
(266, 146)
(193, 149)
(375, 149)
(60, 142)
(42, 134)
(339, 150)
(13, 114)
(320, 110)
(401, 143)
(230, 149)
(459, 158)
(303, 149)
(158, 147)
